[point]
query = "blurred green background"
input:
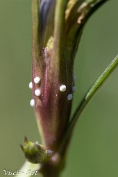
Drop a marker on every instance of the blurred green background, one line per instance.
(94, 148)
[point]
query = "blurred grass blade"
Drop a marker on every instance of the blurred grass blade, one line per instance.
(28, 169)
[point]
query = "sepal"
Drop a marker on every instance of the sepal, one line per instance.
(35, 152)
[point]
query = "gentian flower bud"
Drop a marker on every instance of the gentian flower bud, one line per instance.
(57, 29)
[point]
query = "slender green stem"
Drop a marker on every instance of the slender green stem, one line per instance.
(106, 73)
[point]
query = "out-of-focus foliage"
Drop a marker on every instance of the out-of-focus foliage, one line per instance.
(93, 151)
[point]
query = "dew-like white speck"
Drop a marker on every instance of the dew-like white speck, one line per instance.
(73, 88)
(32, 102)
(70, 96)
(30, 85)
(63, 88)
(36, 80)
(37, 92)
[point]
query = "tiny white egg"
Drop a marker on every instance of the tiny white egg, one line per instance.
(73, 88)
(74, 77)
(32, 102)
(70, 96)
(62, 88)
(36, 80)
(37, 92)
(30, 85)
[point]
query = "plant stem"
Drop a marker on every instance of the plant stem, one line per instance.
(97, 84)
(102, 78)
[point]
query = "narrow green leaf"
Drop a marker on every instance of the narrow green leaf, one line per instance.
(88, 96)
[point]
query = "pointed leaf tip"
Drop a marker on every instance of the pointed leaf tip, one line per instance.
(25, 139)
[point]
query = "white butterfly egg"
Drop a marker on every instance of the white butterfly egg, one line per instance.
(70, 96)
(73, 88)
(37, 92)
(32, 102)
(37, 80)
(30, 85)
(63, 88)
